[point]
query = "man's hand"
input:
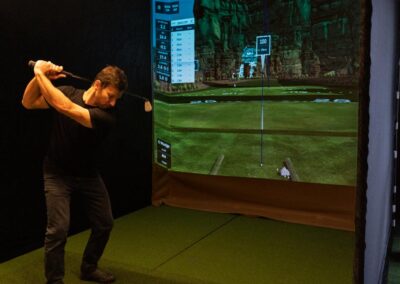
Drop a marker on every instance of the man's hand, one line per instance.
(45, 71)
(48, 69)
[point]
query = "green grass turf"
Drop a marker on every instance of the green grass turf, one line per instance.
(172, 245)
(329, 160)
(320, 139)
(394, 262)
(270, 91)
(394, 272)
(285, 116)
(155, 234)
(253, 250)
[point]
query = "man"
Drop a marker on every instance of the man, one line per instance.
(81, 119)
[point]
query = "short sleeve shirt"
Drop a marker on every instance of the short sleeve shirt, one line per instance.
(73, 148)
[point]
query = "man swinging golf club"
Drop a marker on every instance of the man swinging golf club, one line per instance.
(81, 119)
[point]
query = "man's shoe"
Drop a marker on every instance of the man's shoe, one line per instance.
(98, 276)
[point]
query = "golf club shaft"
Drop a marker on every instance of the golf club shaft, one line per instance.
(32, 63)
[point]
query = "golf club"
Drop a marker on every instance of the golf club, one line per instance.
(147, 105)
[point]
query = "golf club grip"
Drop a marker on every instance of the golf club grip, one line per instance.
(32, 63)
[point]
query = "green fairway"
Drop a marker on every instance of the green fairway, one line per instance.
(301, 116)
(270, 91)
(319, 138)
(316, 159)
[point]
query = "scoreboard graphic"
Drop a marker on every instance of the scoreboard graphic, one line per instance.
(175, 45)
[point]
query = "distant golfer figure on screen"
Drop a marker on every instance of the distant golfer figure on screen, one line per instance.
(81, 120)
(284, 172)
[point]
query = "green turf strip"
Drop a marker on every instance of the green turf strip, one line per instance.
(246, 115)
(271, 91)
(394, 262)
(172, 245)
(394, 272)
(152, 235)
(253, 250)
(320, 159)
(28, 269)
(325, 153)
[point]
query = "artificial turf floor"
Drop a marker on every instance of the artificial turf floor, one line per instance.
(174, 245)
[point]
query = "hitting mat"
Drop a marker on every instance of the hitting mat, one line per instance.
(174, 245)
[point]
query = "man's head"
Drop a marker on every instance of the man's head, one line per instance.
(109, 84)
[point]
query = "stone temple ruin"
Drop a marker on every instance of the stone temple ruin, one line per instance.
(316, 40)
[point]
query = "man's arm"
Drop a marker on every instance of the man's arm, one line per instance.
(32, 98)
(55, 97)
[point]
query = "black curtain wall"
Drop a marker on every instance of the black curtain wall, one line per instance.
(83, 36)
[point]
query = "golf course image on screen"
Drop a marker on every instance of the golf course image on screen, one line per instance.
(259, 89)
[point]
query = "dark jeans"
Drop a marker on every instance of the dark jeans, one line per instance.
(58, 190)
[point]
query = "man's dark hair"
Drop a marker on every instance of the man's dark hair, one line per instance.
(113, 75)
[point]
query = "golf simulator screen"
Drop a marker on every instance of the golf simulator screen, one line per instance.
(259, 89)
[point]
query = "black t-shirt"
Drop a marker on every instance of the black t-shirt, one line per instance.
(73, 147)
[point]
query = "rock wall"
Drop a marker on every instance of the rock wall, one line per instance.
(310, 39)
